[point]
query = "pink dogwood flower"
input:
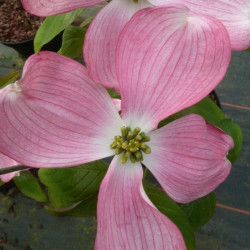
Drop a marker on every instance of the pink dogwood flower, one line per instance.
(102, 36)
(167, 59)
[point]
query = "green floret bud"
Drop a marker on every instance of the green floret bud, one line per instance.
(132, 158)
(118, 151)
(133, 149)
(124, 131)
(146, 138)
(138, 156)
(125, 145)
(130, 135)
(124, 158)
(113, 145)
(138, 138)
(136, 131)
(147, 150)
(128, 154)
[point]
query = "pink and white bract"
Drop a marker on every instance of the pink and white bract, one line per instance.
(234, 14)
(167, 59)
(102, 36)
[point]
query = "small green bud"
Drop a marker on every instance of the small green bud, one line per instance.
(124, 158)
(128, 153)
(138, 155)
(118, 151)
(138, 138)
(143, 145)
(133, 149)
(147, 150)
(136, 131)
(146, 138)
(124, 145)
(124, 131)
(130, 135)
(142, 134)
(121, 140)
(132, 158)
(113, 145)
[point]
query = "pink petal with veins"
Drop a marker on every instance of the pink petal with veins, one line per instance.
(49, 8)
(234, 14)
(126, 218)
(189, 157)
(168, 58)
(55, 115)
(101, 40)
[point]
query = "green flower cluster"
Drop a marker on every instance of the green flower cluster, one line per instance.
(131, 144)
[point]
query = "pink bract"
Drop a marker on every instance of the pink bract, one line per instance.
(101, 38)
(234, 14)
(168, 64)
(127, 219)
(167, 59)
(48, 7)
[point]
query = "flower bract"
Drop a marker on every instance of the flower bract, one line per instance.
(102, 36)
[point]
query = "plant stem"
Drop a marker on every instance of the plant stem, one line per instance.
(12, 169)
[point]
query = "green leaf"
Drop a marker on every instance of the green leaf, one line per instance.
(234, 130)
(168, 207)
(200, 211)
(52, 26)
(67, 186)
(1, 183)
(5, 80)
(248, 50)
(57, 200)
(205, 108)
(72, 43)
(85, 208)
(29, 186)
(87, 21)
(114, 94)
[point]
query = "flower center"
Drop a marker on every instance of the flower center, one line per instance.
(131, 144)
(15, 87)
(14, 90)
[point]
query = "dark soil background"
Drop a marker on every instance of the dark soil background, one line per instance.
(16, 25)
